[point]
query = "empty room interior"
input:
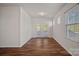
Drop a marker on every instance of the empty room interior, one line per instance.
(39, 29)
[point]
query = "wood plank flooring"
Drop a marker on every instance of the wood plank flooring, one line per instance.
(36, 47)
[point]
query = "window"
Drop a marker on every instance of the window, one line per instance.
(41, 27)
(72, 24)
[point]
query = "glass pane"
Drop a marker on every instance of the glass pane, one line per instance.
(44, 27)
(72, 23)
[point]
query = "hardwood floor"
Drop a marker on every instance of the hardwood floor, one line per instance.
(36, 47)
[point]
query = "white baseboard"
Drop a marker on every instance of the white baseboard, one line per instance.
(64, 47)
(21, 44)
(9, 46)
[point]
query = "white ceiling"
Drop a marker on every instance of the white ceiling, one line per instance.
(50, 9)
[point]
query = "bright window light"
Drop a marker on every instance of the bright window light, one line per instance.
(58, 20)
(53, 22)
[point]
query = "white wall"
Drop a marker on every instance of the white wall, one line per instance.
(59, 32)
(25, 27)
(15, 26)
(41, 20)
(9, 27)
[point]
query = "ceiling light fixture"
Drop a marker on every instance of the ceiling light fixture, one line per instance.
(41, 13)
